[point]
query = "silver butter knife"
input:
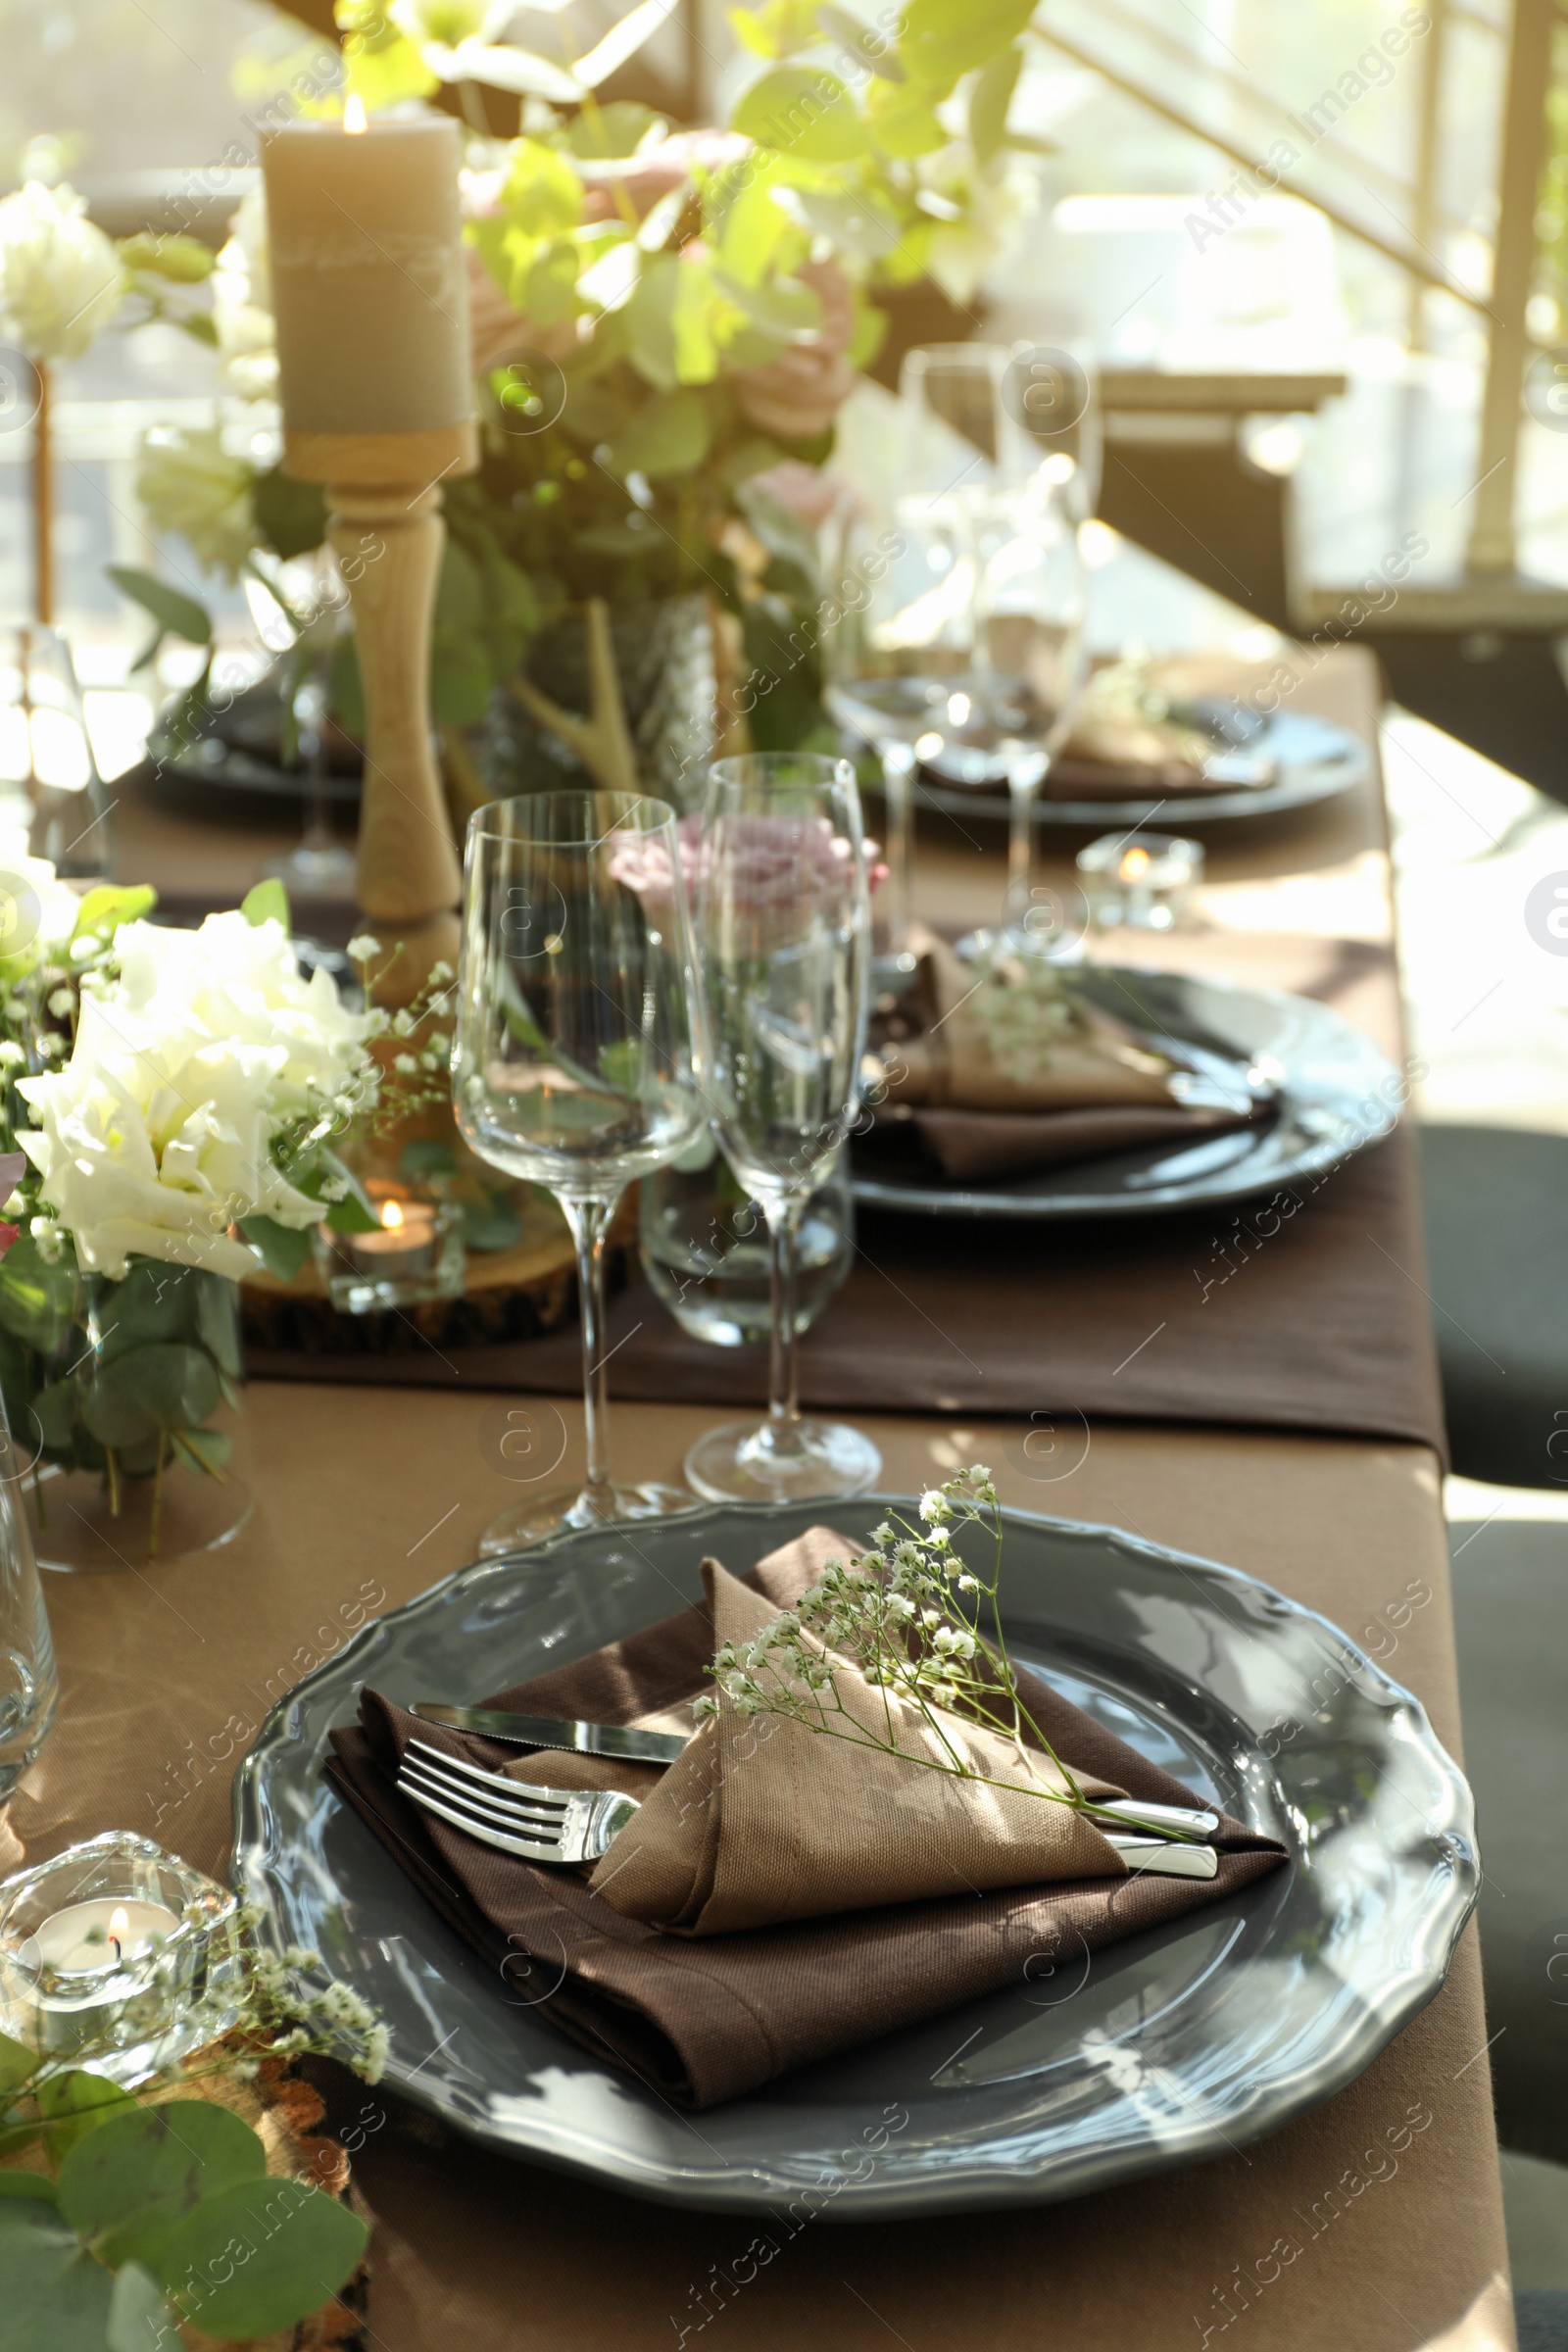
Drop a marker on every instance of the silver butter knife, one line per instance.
(553, 1730)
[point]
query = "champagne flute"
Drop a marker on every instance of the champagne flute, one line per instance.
(783, 926)
(575, 1061)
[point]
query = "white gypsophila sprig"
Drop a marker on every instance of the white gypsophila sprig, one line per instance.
(906, 1616)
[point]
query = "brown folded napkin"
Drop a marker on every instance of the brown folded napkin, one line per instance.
(1020, 1073)
(764, 1820)
(700, 2021)
(1128, 743)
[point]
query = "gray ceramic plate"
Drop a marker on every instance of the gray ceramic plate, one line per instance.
(1335, 1093)
(1293, 760)
(1156, 2052)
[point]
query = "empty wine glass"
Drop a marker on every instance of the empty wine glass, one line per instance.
(574, 1062)
(783, 926)
(50, 788)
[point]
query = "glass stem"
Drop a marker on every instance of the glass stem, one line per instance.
(783, 1401)
(1023, 783)
(897, 778)
(589, 1222)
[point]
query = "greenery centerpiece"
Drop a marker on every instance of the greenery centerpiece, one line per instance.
(665, 324)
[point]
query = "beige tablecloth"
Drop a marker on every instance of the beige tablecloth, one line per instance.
(1371, 2225)
(366, 1498)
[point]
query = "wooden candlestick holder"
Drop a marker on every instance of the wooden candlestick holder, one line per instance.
(383, 493)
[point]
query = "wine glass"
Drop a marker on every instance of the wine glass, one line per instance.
(302, 632)
(575, 1061)
(783, 927)
(50, 788)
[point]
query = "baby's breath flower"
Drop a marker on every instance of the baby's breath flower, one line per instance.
(406, 1066)
(935, 1506)
(362, 946)
(969, 1584)
(62, 1004)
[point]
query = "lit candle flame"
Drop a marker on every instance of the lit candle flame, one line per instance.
(391, 1216)
(119, 1926)
(354, 112)
(1135, 862)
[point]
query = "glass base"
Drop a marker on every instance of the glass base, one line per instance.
(740, 1462)
(316, 870)
(552, 1514)
(1016, 939)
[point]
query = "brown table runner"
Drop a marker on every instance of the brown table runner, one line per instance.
(1305, 1310)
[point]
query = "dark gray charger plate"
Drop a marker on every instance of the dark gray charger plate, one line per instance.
(1154, 2052)
(1305, 758)
(1336, 1092)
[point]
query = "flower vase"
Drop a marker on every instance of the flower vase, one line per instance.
(664, 665)
(126, 1403)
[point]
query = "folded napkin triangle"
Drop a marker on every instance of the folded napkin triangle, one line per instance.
(764, 1819)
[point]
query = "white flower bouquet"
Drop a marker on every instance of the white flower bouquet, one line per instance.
(177, 1095)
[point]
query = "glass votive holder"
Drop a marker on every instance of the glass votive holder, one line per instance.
(705, 1248)
(1140, 881)
(416, 1252)
(118, 1957)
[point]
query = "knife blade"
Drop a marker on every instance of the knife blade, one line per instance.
(553, 1730)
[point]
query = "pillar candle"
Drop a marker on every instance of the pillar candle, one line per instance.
(369, 287)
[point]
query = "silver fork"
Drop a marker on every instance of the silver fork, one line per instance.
(542, 1825)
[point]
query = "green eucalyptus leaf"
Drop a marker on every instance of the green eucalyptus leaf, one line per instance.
(290, 516)
(37, 1300)
(491, 1223)
(28, 2185)
(55, 2297)
(989, 101)
(55, 1410)
(125, 2185)
(105, 908)
(352, 1214)
(17, 2063)
(460, 678)
(72, 2105)
(904, 122)
(670, 434)
(426, 1157)
(185, 261)
(940, 39)
(204, 1450)
(139, 2319)
(164, 1385)
(802, 110)
(266, 903)
(259, 2256)
(150, 1302)
(217, 1322)
(865, 46)
(177, 616)
(616, 130)
(283, 1247)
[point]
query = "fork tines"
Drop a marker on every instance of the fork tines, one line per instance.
(542, 1825)
(538, 1815)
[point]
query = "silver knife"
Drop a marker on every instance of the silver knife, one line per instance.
(553, 1730)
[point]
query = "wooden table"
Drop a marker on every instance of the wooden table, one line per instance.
(1372, 2224)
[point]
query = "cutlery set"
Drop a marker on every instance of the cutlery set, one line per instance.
(570, 1826)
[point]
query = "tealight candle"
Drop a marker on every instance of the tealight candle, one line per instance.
(368, 286)
(405, 1245)
(92, 1935)
(117, 1955)
(415, 1253)
(1143, 880)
